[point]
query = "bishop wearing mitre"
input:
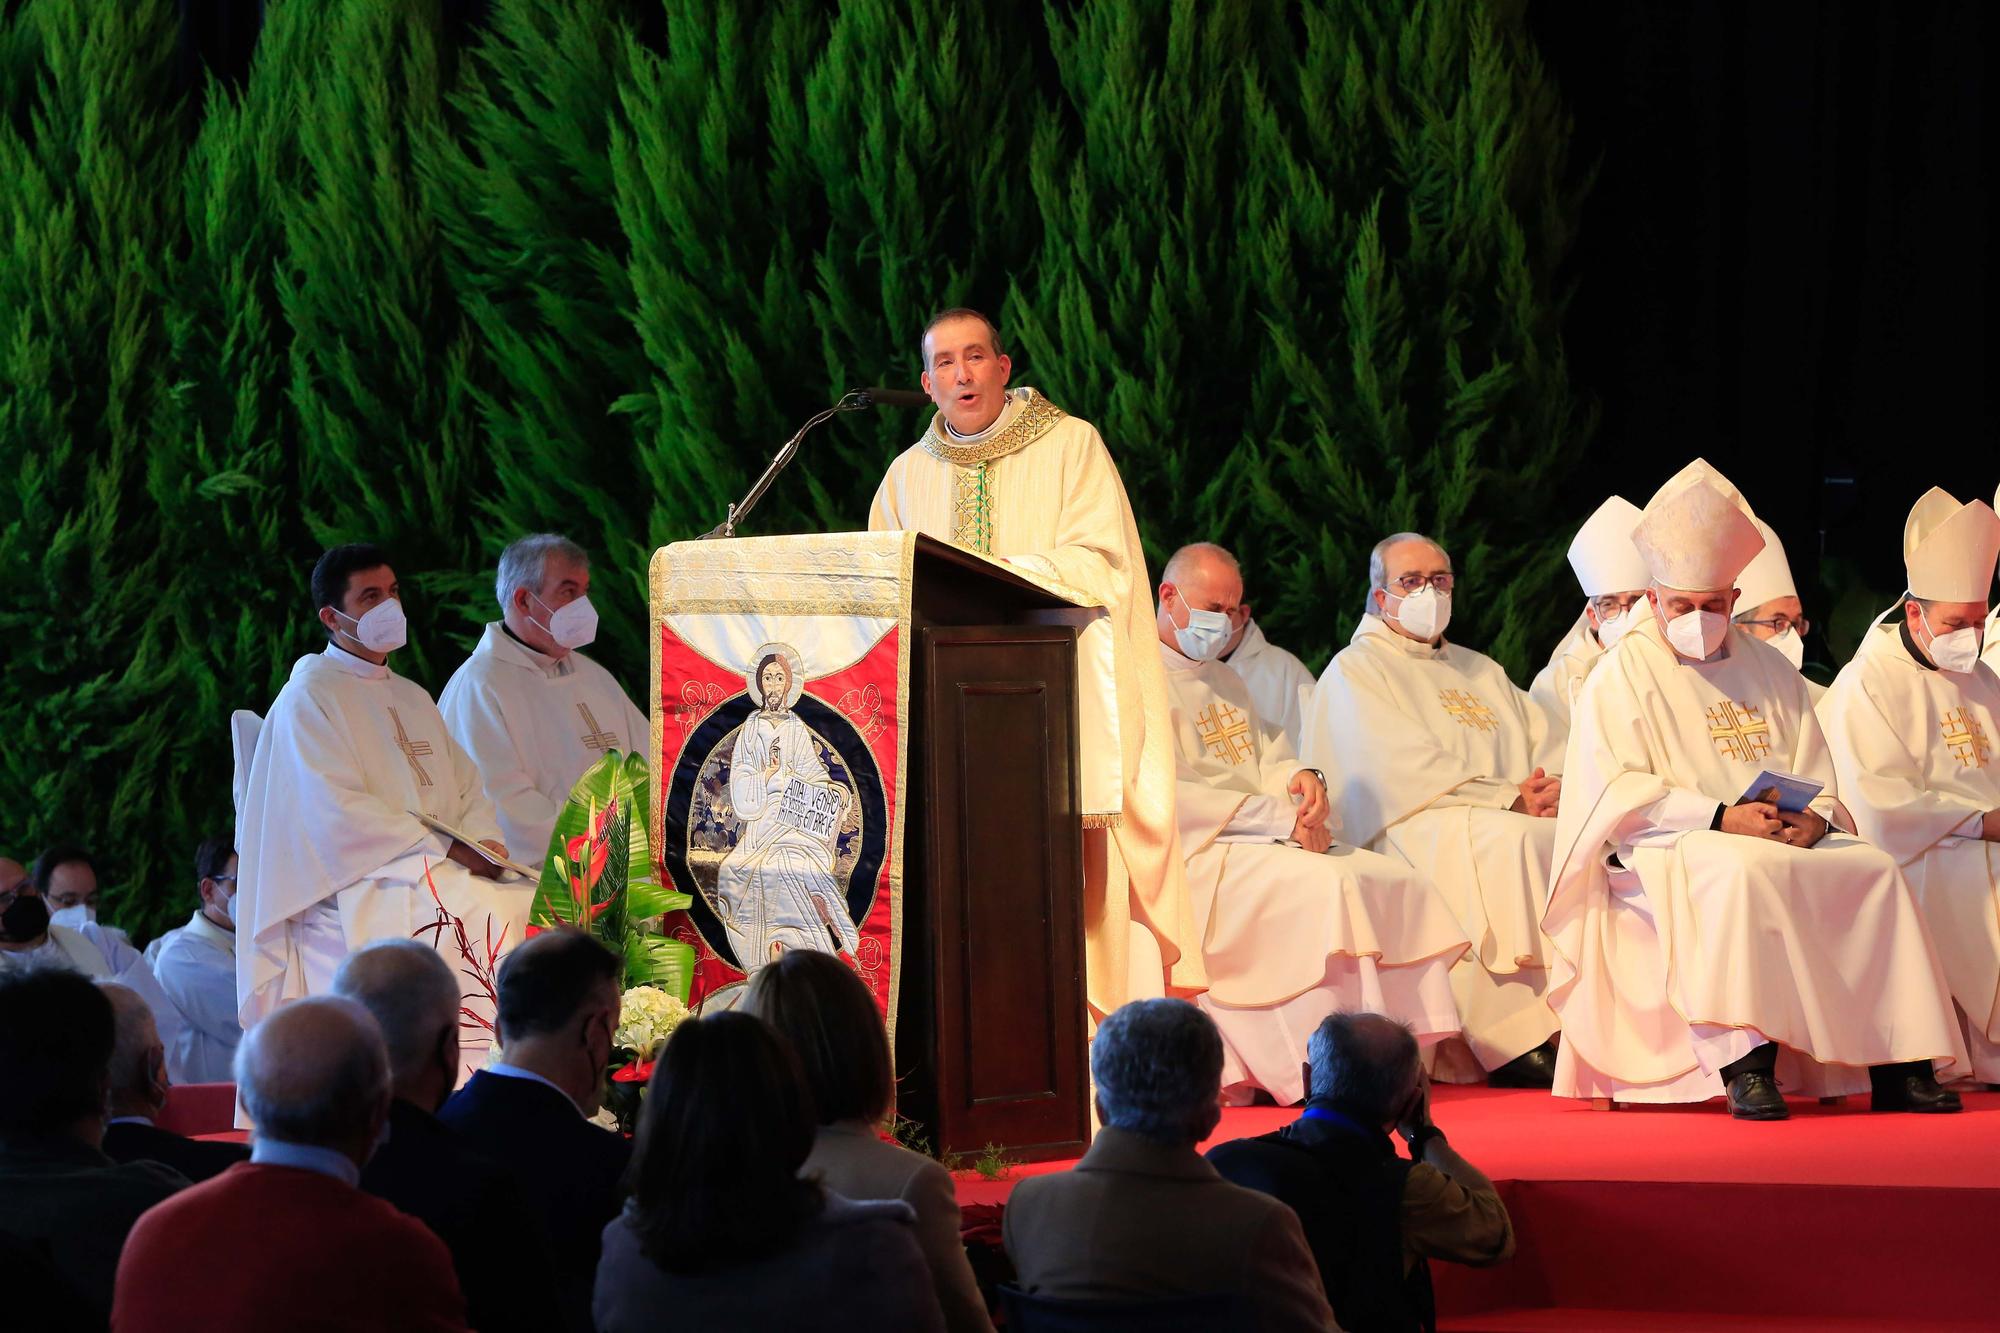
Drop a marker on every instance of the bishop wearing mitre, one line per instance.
(1914, 726)
(1613, 578)
(1768, 605)
(1699, 927)
(331, 852)
(1444, 763)
(1293, 925)
(1010, 475)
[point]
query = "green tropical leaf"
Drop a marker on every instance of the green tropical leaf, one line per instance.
(659, 960)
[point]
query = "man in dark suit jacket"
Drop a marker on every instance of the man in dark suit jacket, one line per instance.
(475, 1205)
(305, 1247)
(138, 1077)
(1143, 1217)
(65, 1208)
(1373, 1219)
(559, 1000)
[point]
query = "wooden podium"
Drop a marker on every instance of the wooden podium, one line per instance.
(988, 997)
(990, 1037)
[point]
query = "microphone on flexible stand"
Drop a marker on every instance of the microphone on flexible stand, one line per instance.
(855, 400)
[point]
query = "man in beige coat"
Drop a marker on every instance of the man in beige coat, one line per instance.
(1143, 1216)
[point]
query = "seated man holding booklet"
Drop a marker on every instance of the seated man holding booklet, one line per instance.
(1700, 936)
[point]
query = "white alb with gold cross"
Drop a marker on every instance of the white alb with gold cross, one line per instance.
(1915, 750)
(532, 725)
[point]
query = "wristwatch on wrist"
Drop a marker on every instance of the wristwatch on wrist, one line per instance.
(1421, 1140)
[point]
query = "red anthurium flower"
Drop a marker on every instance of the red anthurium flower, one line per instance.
(636, 1072)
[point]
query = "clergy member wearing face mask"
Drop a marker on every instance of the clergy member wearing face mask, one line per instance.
(196, 967)
(1279, 684)
(1290, 933)
(1439, 760)
(1768, 605)
(31, 937)
(1613, 578)
(1914, 725)
(332, 853)
(531, 710)
(1699, 937)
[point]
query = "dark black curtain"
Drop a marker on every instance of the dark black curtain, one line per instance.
(1782, 266)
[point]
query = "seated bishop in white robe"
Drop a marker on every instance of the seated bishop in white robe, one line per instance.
(1680, 948)
(1427, 745)
(329, 855)
(1289, 935)
(1914, 727)
(1279, 684)
(533, 724)
(1613, 579)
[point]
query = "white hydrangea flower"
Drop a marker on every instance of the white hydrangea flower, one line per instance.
(647, 1016)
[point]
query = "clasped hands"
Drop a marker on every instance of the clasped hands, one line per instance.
(1540, 795)
(1762, 818)
(1310, 830)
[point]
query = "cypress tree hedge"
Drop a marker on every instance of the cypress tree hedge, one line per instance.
(1301, 262)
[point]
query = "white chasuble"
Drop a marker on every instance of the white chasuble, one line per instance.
(1556, 684)
(329, 856)
(1917, 752)
(1428, 747)
(1039, 490)
(1279, 684)
(532, 725)
(1289, 936)
(1679, 949)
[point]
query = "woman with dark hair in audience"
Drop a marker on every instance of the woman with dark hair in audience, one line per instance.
(722, 1232)
(827, 1013)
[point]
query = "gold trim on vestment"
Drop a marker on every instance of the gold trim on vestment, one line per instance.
(1113, 820)
(1037, 418)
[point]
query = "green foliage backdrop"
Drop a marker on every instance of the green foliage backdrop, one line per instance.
(1301, 262)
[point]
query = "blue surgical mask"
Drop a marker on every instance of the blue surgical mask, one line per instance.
(1205, 635)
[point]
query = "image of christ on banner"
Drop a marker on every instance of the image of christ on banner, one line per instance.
(775, 889)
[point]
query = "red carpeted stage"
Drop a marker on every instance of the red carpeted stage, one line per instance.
(1658, 1218)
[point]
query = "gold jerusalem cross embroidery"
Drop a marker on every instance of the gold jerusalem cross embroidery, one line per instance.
(1966, 738)
(593, 737)
(1465, 706)
(1738, 732)
(1226, 732)
(411, 750)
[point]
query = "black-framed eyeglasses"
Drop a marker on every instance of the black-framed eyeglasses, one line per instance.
(1610, 605)
(1779, 624)
(222, 879)
(1410, 584)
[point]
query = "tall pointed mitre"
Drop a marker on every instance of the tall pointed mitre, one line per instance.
(1603, 556)
(1949, 548)
(1769, 576)
(1697, 532)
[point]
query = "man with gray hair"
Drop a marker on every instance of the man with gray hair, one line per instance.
(1372, 1218)
(1443, 762)
(471, 1202)
(138, 1085)
(314, 1077)
(531, 710)
(1143, 1217)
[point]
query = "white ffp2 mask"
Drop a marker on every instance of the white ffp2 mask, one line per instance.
(1698, 633)
(1424, 613)
(1611, 629)
(573, 624)
(1791, 645)
(381, 628)
(1957, 651)
(76, 917)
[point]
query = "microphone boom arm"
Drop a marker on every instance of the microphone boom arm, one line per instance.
(855, 401)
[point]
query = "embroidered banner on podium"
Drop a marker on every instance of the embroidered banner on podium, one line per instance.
(780, 681)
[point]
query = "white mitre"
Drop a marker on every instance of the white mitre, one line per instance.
(1603, 556)
(1769, 576)
(1697, 532)
(1949, 548)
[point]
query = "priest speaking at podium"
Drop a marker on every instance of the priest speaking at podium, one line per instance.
(1008, 474)
(332, 852)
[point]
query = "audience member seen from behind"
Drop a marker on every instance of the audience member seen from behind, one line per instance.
(474, 1205)
(138, 1093)
(304, 1247)
(1373, 1218)
(558, 1012)
(1142, 1217)
(818, 1004)
(196, 966)
(723, 1232)
(65, 1208)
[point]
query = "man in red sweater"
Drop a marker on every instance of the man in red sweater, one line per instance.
(308, 1251)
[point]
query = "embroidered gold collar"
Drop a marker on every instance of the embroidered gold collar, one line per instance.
(1035, 419)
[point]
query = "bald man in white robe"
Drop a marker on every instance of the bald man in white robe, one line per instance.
(1697, 935)
(1914, 726)
(1293, 925)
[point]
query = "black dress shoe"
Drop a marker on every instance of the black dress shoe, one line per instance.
(1536, 1069)
(1914, 1092)
(1754, 1095)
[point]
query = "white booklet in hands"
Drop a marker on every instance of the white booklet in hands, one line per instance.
(436, 825)
(1795, 793)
